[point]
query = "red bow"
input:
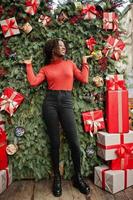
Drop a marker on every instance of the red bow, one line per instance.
(33, 4)
(89, 8)
(114, 84)
(90, 43)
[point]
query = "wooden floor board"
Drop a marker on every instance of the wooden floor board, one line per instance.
(41, 190)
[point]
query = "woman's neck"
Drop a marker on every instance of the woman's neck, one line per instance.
(57, 58)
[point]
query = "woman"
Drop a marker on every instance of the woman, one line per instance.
(57, 107)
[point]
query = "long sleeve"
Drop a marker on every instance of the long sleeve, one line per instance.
(33, 79)
(81, 75)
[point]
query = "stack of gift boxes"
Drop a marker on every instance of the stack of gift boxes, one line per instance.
(116, 145)
(5, 170)
(9, 102)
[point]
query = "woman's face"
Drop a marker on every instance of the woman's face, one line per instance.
(61, 49)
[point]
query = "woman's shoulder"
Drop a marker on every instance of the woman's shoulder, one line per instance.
(69, 61)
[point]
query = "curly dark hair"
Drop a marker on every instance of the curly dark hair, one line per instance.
(48, 48)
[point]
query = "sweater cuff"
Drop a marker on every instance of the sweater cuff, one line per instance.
(29, 65)
(85, 65)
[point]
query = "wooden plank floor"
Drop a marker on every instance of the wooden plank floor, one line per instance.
(41, 190)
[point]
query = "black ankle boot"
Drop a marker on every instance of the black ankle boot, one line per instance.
(80, 184)
(57, 190)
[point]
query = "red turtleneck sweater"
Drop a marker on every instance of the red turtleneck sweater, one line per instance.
(59, 75)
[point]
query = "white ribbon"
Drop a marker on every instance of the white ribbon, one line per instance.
(94, 123)
(8, 102)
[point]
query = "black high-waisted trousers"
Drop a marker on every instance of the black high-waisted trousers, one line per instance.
(57, 107)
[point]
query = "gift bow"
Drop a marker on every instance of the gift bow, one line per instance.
(10, 24)
(111, 20)
(89, 8)
(114, 48)
(123, 154)
(44, 19)
(114, 84)
(90, 43)
(8, 103)
(95, 124)
(33, 4)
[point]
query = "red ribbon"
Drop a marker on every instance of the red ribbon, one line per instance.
(116, 146)
(10, 24)
(89, 8)
(113, 84)
(103, 178)
(33, 4)
(91, 43)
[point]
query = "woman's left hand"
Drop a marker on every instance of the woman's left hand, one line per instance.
(84, 59)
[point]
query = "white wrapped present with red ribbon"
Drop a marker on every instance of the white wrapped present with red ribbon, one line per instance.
(45, 20)
(2, 123)
(110, 21)
(10, 100)
(32, 6)
(5, 178)
(113, 48)
(112, 181)
(93, 121)
(89, 11)
(9, 27)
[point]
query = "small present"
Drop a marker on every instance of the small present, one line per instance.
(9, 27)
(110, 21)
(32, 6)
(117, 114)
(10, 100)
(62, 17)
(91, 42)
(45, 20)
(27, 28)
(108, 144)
(108, 179)
(5, 178)
(78, 6)
(2, 122)
(89, 11)
(113, 48)
(93, 121)
(3, 154)
(115, 82)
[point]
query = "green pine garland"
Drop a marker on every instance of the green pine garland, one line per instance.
(32, 159)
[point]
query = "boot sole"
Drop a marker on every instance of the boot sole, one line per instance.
(77, 187)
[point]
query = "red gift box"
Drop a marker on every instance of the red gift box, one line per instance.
(10, 100)
(3, 154)
(117, 115)
(93, 121)
(32, 6)
(115, 82)
(89, 11)
(9, 27)
(110, 21)
(113, 47)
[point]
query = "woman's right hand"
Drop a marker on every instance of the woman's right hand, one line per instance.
(28, 61)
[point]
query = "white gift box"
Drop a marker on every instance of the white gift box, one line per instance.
(5, 178)
(112, 181)
(107, 144)
(2, 123)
